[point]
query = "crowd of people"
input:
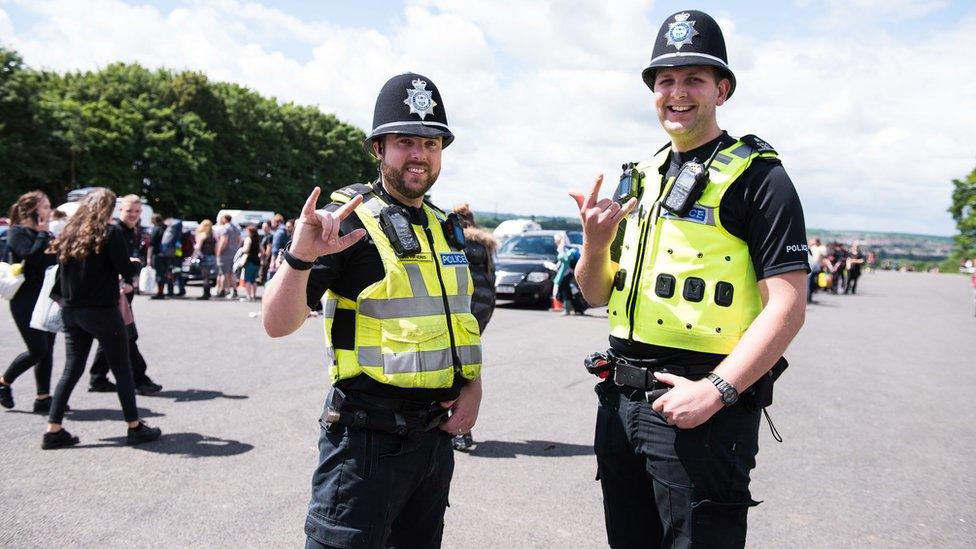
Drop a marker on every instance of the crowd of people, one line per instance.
(835, 268)
(225, 256)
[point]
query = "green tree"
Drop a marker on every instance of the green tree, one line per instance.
(963, 211)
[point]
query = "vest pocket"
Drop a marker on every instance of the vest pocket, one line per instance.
(413, 352)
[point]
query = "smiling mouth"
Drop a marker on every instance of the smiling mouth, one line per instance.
(680, 108)
(418, 170)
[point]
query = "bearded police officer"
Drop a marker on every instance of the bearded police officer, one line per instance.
(403, 347)
(705, 286)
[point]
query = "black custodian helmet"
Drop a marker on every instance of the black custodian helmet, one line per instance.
(689, 37)
(410, 104)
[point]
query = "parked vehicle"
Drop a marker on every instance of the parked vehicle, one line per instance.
(525, 267)
(243, 218)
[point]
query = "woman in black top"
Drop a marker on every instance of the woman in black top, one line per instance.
(27, 241)
(93, 255)
(252, 247)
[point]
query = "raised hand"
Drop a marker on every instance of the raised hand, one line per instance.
(317, 231)
(600, 217)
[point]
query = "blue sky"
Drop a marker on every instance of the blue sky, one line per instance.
(869, 102)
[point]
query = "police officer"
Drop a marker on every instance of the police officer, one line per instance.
(704, 292)
(403, 347)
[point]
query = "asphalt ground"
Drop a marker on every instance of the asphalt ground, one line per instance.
(875, 411)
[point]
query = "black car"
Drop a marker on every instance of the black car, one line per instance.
(525, 267)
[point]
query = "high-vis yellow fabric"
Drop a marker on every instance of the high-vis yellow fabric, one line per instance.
(413, 328)
(686, 282)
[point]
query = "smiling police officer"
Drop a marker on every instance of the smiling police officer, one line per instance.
(705, 286)
(403, 347)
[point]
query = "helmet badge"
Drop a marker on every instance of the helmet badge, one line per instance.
(420, 99)
(681, 31)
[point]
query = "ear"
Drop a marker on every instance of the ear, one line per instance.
(377, 145)
(724, 85)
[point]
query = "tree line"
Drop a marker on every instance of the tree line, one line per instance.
(189, 145)
(963, 210)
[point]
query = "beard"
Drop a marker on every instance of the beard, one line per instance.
(394, 178)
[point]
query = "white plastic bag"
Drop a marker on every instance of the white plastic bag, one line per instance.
(10, 282)
(47, 312)
(147, 280)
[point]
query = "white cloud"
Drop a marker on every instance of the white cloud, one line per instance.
(544, 95)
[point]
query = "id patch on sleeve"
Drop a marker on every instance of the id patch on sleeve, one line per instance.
(455, 258)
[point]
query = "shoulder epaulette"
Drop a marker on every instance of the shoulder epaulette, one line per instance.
(349, 192)
(757, 144)
(437, 210)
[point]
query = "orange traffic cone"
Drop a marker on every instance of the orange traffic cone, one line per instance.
(556, 305)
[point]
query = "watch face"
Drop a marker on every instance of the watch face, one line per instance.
(729, 395)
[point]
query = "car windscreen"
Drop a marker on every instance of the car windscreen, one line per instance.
(529, 245)
(575, 237)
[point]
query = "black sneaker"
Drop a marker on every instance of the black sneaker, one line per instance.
(463, 443)
(142, 433)
(101, 385)
(148, 387)
(42, 406)
(157, 296)
(6, 396)
(61, 439)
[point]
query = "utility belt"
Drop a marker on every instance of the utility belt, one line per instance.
(400, 417)
(639, 374)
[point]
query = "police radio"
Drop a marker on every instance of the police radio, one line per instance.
(399, 231)
(688, 186)
(630, 183)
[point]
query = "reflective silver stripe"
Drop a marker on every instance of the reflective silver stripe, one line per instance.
(462, 280)
(417, 286)
(469, 354)
(370, 356)
(374, 205)
(406, 307)
(330, 354)
(722, 159)
(691, 55)
(412, 123)
(742, 151)
(329, 308)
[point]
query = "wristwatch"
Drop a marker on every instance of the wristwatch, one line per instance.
(729, 393)
(297, 264)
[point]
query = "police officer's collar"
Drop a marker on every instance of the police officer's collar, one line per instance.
(416, 215)
(702, 152)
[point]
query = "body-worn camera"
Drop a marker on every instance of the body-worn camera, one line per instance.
(453, 231)
(688, 186)
(397, 228)
(630, 183)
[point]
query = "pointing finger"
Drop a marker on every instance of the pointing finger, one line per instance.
(595, 191)
(308, 209)
(348, 207)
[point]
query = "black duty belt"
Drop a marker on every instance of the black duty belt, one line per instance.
(642, 377)
(391, 415)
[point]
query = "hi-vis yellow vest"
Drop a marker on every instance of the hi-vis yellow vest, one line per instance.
(686, 282)
(413, 328)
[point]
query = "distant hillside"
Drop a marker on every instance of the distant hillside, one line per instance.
(912, 247)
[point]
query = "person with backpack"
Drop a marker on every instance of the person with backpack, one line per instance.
(172, 249)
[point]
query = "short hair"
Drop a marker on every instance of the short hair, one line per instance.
(226, 218)
(131, 198)
(278, 218)
(157, 219)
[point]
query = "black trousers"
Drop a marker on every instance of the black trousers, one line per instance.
(81, 327)
(40, 345)
(373, 489)
(669, 487)
(99, 368)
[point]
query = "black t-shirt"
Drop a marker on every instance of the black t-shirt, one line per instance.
(94, 281)
(762, 208)
(28, 245)
(350, 272)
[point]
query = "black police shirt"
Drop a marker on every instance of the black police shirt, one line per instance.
(762, 208)
(348, 273)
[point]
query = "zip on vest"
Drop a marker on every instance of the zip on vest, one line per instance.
(447, 307)
(649, 223)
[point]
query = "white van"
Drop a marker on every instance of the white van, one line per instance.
(512, 227)
(243, 218)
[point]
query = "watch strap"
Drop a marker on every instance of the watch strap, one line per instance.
(730, 395)
(297, 264)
